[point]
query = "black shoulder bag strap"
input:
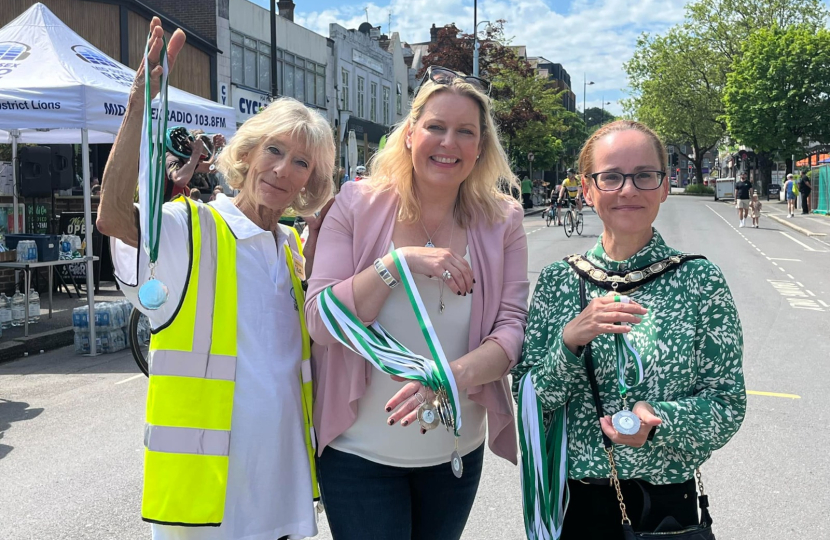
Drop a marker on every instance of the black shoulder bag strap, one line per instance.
(703, 500)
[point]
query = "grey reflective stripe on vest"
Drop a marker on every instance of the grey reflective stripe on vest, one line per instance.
(188, 364)
(203, 329)
(176, 440)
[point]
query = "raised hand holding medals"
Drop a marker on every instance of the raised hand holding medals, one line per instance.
(152, 294)
(625, 421)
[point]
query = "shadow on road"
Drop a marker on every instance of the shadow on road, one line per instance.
(65, 362)
(13, 411)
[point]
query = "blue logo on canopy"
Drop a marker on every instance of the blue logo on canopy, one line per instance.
(103, 64)
(11, 54)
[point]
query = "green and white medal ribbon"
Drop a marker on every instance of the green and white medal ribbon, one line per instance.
(386, 353)
(151, 177)
(544, 465)
(625, 421)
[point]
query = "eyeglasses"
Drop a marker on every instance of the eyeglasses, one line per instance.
(442, 75)
(614, 181)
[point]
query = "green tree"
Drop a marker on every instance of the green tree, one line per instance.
(677, 90)
(596, 117)
(777, 98)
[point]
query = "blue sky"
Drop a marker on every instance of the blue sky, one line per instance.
(594, 37)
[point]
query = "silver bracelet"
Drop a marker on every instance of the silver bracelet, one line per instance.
(384, 274)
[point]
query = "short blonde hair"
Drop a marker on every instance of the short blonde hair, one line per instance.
(391, 168)
(586, 155)
(285, 117)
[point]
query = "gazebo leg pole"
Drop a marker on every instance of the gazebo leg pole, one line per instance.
(90, 287)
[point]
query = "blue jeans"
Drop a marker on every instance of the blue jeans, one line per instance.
(365, 500)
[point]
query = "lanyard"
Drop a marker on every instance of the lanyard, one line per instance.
(151, 170)
(625, 353)
(386, 353)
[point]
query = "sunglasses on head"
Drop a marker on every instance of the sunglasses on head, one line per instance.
(442, 75)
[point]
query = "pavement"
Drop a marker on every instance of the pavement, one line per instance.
(71, 427)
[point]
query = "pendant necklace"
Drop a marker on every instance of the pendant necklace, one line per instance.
(441, 286)
(429, 243)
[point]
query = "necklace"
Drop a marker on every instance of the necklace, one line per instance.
(429, 243)
(441, 287)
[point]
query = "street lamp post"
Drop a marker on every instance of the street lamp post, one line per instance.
(530, 158)
(475, 48)
(584, 92)
(602, 118)
(274, 88)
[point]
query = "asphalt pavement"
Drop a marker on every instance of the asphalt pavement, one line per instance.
(71, 427)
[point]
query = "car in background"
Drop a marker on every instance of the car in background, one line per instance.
(673, 181)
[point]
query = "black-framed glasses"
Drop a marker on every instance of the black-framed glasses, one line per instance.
(442, 75)
(614, 181)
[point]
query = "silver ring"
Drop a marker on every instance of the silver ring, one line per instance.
(421, 399)
(447, 275)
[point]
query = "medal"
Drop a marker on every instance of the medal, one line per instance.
(626, 422)
(427, 416)
(456, 463)
(152, 294)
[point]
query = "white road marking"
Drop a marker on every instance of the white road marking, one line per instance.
(823, 303)
(791, 277)
(780, 259)
(811, 293)
(131, 378)
(797, 298)
(808, 248)
(781, 269)
(775, 263)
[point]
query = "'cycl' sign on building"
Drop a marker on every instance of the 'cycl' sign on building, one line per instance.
(248, 103)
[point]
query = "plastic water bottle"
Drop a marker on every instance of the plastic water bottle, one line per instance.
(18, 308)
(34, 306)
(5, 311)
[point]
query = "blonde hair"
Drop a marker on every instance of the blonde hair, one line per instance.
(479, 195)
(289, 118)
(586, 155)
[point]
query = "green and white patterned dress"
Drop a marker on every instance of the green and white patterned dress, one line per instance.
(691, 343)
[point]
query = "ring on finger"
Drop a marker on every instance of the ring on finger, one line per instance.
(421, 398)
(447, 275)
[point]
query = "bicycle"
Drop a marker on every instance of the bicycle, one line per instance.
(573, 220)
(139, 336)
(552, 214)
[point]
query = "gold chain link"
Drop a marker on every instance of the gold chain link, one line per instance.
(699, 481)
(616, 481)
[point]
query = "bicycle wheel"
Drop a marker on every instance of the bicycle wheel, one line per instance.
(548, 218)
(579, 224)
(139, 331)
(569, 223)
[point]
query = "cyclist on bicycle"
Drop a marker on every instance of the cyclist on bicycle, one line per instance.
(573, 188)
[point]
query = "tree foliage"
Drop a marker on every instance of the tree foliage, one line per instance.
(677, 90)
(778, 92)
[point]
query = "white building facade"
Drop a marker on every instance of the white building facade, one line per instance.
(366, 90)
(303, 61)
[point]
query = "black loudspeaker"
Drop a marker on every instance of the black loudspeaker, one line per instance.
(35, 175)
(61, 166)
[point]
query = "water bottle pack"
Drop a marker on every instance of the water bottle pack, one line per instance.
(70, 247)
(111, 320)
(5, 311)
(27, 251)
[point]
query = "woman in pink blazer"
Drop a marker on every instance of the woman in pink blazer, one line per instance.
(433, 196)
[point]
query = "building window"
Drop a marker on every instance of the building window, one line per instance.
(361, 90)
(344, 91)
(400, 101)
(373, 102)
(386, 93)
(296, 77)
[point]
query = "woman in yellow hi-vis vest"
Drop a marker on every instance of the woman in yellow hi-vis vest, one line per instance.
(229, 442)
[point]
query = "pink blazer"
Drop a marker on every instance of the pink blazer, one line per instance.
(358, 230)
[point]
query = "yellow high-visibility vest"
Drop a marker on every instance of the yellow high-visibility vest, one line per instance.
(192, 378)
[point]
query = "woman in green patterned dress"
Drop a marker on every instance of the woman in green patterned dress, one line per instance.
(682, 329)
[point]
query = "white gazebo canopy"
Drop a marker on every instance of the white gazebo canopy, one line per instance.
(56, 88)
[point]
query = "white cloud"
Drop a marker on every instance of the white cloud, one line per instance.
(594, 37)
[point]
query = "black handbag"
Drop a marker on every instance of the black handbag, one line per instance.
(701, 531)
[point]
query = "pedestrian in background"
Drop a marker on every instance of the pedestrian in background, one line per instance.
(527, 192)
(789, 195)
(755, 207)
(433, 197)
(743, 192)
(805, 188)
(680, 319)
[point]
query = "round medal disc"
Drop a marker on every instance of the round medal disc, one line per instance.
(626, 422)
(427, 417)
(152, 294)
(457, 464)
